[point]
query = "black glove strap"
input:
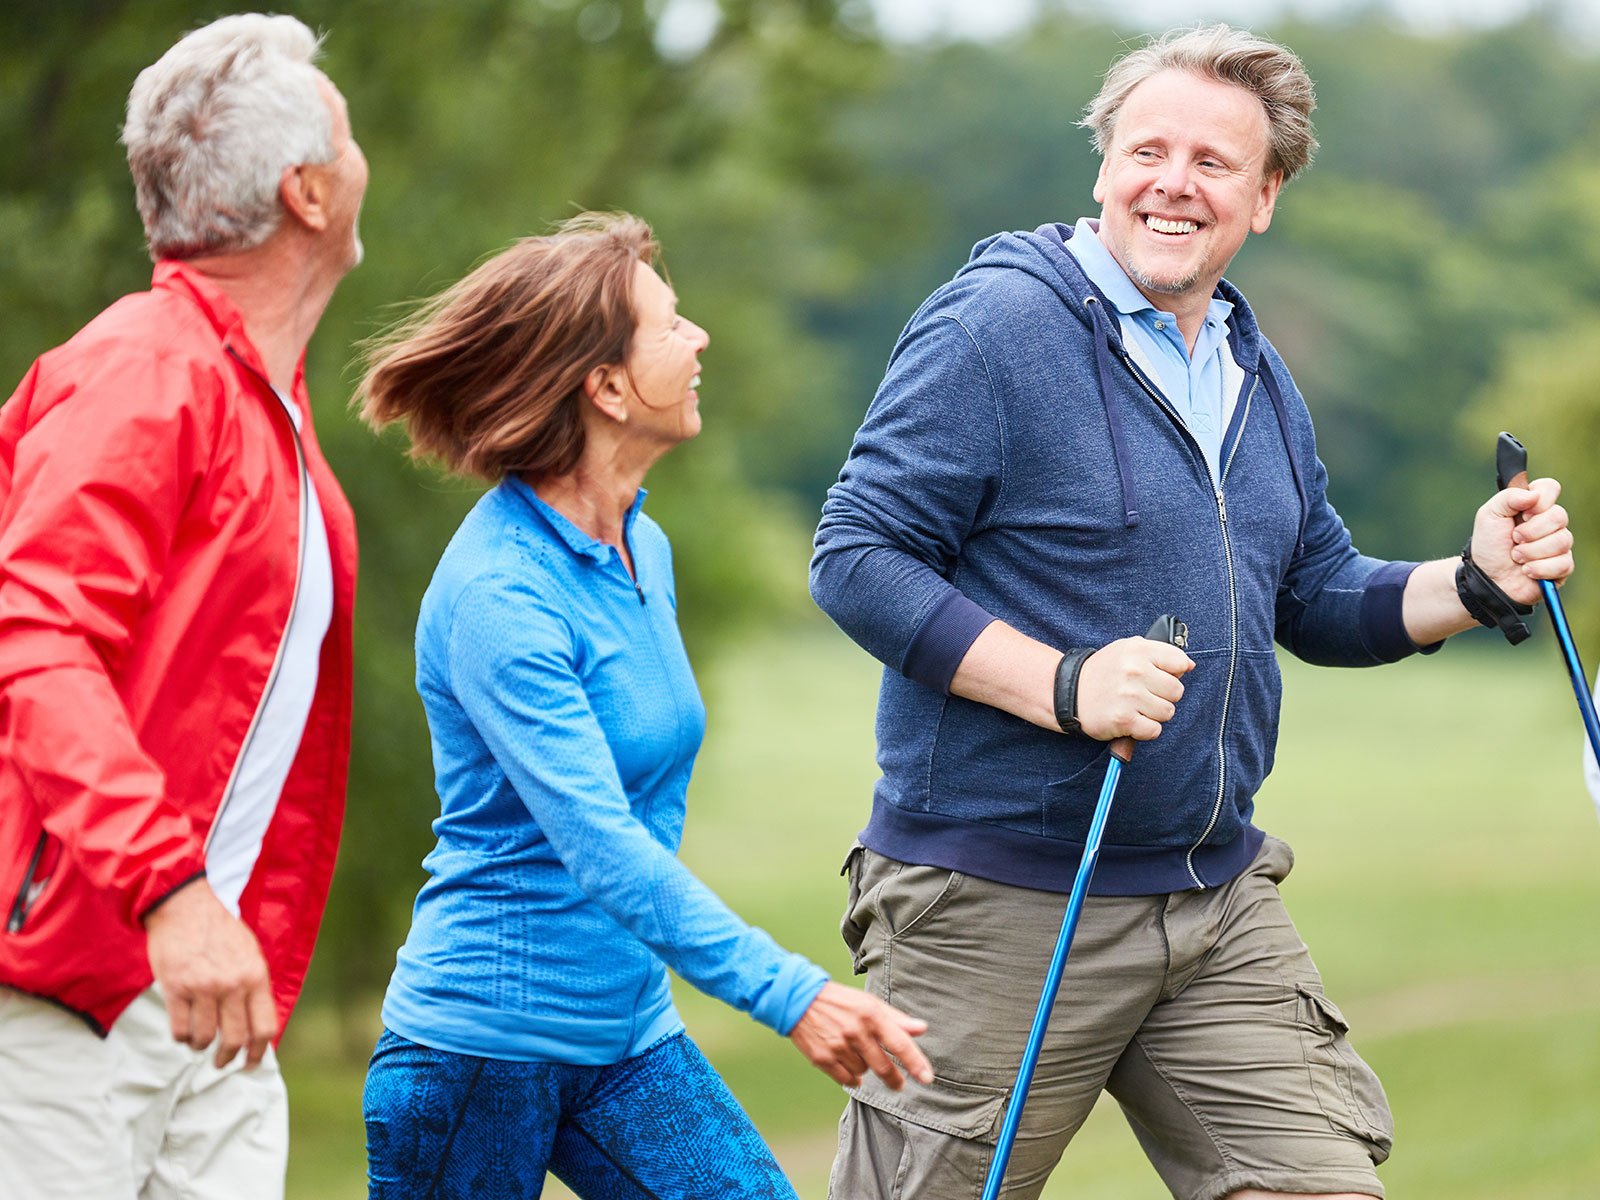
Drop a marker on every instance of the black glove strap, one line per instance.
(1067, 672)
(1486, 603)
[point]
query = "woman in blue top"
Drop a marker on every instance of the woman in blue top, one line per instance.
(528, 1024)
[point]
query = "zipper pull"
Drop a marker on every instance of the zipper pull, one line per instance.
(640, 590)
(1222, 506)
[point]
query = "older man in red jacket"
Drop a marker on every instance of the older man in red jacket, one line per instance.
(177, 568)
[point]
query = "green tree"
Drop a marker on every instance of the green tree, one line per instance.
(1543, 391)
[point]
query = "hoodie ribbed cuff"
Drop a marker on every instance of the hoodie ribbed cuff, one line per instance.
(943, 639)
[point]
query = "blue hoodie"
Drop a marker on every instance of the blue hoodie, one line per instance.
(1015, 464)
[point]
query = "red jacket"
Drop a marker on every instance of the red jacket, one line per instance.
(149, 530)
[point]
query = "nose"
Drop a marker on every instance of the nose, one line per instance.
(1174, 180)
(698, 337)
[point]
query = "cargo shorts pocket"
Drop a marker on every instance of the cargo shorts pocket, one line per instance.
(1347, 1089)
(853, 925)
(969, 1111)
(888, 900)
(928, 1142)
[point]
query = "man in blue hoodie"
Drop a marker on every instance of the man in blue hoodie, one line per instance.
(1084, 429)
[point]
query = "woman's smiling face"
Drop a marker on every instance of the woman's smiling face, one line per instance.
(663, 364)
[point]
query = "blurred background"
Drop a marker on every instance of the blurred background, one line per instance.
(813, 169)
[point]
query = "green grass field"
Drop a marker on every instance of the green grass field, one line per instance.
(1448, 882)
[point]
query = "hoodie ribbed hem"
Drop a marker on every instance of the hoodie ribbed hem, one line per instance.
(1049, 864)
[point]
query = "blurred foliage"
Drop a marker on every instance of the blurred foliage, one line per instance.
(1430, 280)
(483, 121)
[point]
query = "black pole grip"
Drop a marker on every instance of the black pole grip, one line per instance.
(1167, 628)
(1510, 463)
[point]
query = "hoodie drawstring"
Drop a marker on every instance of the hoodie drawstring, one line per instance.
(1102, 356)
(1288, 444)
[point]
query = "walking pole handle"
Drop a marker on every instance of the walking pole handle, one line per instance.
(1511, 467)
(1510, 462)
(1167, 628)
(1511, 470)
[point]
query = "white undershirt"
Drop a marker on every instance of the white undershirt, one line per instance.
(269, 751)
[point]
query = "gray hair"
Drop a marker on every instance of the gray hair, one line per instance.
(213, 124)
(1273, 74)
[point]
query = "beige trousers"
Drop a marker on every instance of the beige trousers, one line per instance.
(133, 1116)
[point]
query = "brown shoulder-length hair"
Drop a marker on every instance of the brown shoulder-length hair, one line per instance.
(487, 376)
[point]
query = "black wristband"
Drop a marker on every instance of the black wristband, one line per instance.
(1067, 672)
(1486, 603)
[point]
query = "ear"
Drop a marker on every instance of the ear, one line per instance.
(602, 386)
(1262, 217)
(1100, 184)
(304, 191)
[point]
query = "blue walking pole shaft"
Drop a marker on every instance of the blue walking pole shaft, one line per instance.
(1052, 983)
(1511, 470)
(1569, 651)
(1166, 629)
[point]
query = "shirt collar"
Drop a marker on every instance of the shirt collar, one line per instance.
(1106, 273)
(575, 539)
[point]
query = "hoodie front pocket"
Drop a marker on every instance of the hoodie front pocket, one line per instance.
(1067, 805)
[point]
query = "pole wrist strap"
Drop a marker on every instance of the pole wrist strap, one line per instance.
(1067, 672)
(1486, 603)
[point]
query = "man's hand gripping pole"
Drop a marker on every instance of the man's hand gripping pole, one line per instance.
(1511, 470)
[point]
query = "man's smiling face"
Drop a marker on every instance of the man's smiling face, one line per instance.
(1183, 183)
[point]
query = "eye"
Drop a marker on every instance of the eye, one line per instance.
(1146, 154)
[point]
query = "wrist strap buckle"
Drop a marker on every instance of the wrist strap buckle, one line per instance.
(1486, 603)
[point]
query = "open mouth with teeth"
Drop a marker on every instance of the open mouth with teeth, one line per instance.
(1162, 225)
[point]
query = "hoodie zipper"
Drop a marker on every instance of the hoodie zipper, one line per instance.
(1233, 600)
(294, 604)
(1233, 648)
(28, 893)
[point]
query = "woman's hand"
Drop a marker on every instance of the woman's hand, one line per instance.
(846, 1033)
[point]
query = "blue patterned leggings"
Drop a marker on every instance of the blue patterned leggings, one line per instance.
(659, 1126)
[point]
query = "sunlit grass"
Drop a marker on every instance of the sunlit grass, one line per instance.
(1448, 883)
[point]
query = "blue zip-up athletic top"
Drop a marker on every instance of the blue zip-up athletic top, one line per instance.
(1016, 464)
(565, 723)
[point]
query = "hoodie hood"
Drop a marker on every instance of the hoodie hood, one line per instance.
(1043, 254)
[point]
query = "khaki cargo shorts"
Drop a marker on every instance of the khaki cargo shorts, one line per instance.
(1201, 1012)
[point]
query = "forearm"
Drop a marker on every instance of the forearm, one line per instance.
(1519, 540)
(644, 888)
(1127, 688)
(1431, 609)
(1008, 670)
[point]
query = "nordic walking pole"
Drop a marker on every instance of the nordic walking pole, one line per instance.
(1166, 629)
(1511, 468)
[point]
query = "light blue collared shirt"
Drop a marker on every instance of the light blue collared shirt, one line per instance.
(1194, 384)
